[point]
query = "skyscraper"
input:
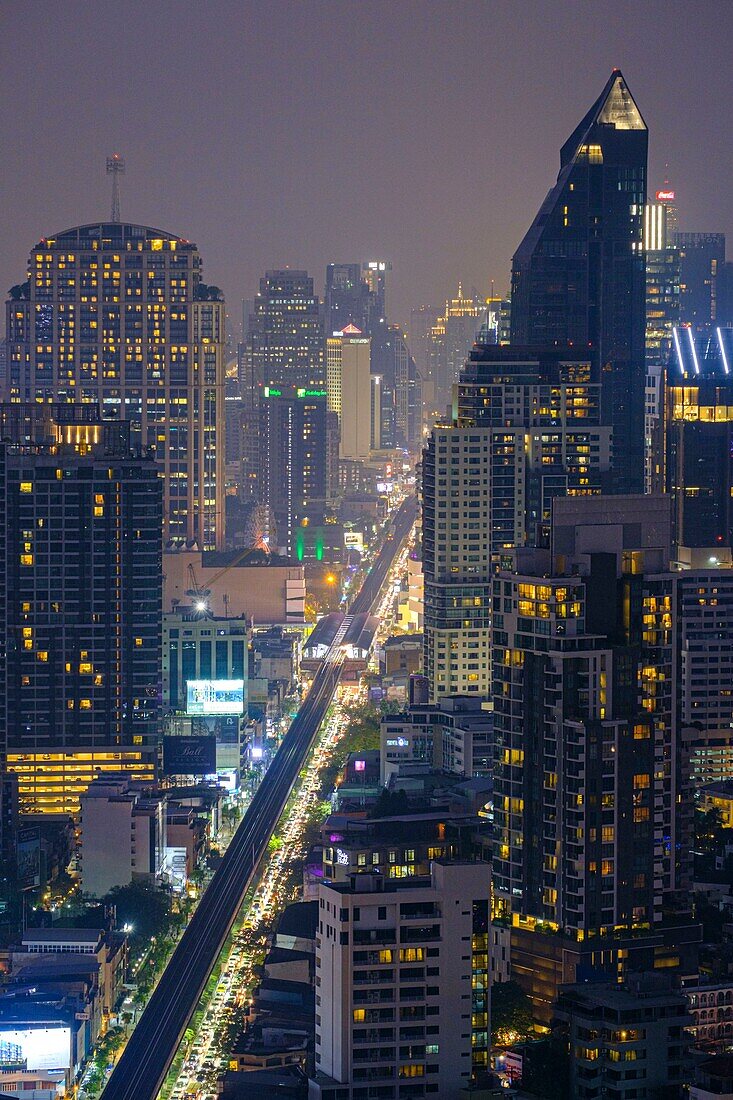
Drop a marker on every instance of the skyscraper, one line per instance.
(80, 522)
(348, 299)
(578, 276)
(118, 314)
(296, 460)
(591, 783)
(526, 429)
(549, 405)
(349, 389)
(285, 335)
(699, 439)
(701, 255)
(453, 337)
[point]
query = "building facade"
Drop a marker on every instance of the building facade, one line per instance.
(118, 315)
(349, 391)
(81, 517)
(578, 276)
(393, 959)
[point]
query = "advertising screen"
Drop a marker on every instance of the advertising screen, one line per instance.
(189, 755)
(39, 1047)
(28, 852)
(215, 697)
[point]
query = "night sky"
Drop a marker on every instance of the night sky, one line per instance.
(298, 132)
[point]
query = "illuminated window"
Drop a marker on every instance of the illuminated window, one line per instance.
(26, 486)
(641, 813)
(42, 655)
(412, 954)
(85, 704)
(385, 956)
(359, 1015)
(138, 641)
(26, 559)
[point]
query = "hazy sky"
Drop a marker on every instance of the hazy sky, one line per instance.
(298, 132)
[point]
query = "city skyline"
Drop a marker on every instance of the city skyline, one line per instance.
(258, 125)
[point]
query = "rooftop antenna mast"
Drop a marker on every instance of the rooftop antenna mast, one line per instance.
(115, 168)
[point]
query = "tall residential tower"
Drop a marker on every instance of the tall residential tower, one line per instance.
(118, 314)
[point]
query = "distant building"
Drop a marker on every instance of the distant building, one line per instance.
(699, 439)
(453, 735)
(118, 314)
(349, 391)
(297, 460)
(394, 958)
(701, 256)
(284, 340)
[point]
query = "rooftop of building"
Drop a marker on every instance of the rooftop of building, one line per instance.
(403, 641)
(722, 788)
(299, 919)
(288, 1083)
(648, 989)
(112, 234)
(374, 882)
(63, 935)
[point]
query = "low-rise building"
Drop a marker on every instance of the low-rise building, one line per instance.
(265, 591)
(123, 835)
(626, 1041)
(452, 735)
(711, 1006)
(713, 1079)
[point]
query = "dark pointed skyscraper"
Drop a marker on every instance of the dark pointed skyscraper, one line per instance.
(578, 276)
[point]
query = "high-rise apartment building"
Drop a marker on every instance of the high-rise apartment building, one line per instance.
(81, 517)
(118, 315)
(395, 959)
(699, 438)
(457, 528)
(349, 390)
(284, 343)
(526, 429)
(579, 274)
(591, 784)
(547, 406)
(297, 459)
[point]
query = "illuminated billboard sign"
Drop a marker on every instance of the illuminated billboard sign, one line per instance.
(215, 697)
(665, 196)
(189, 755)
(39, 1047)
(354, 540)
(28, 854)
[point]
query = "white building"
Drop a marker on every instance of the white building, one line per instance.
(123, 836)
(395, 960)
(349, 390)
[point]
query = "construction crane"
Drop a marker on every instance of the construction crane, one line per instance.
(200, 596)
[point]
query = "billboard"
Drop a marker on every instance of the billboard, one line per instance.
(354, 540)
(189, 755)
(28, 854)
(215, 697)
(39, 1047)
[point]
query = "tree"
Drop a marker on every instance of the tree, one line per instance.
(511, 1014)
(142, 906)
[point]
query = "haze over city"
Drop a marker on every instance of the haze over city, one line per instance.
(277, 134)
(366, 550)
